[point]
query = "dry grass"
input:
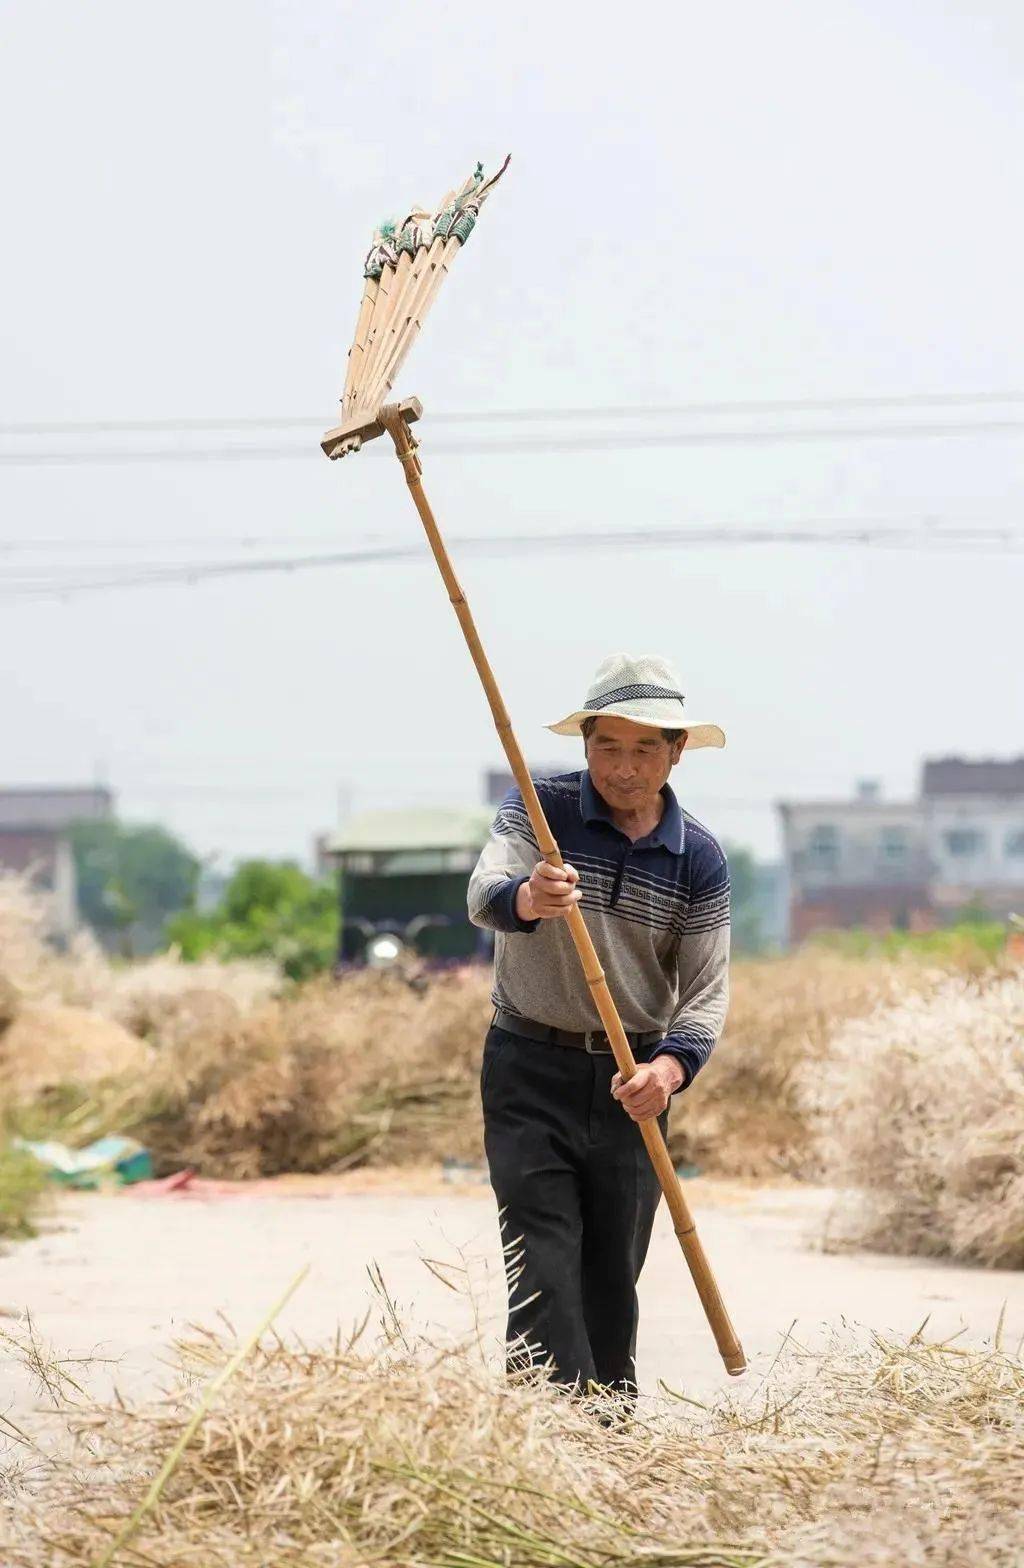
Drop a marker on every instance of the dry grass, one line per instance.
(25, 922)
(45, 1046)
(22, 1192)
(922, 1108)
(747, 1115)
(34, 971)
(239, 1081)
(369, 1071)
(410, 1454)
(332, 1076)
(243, 1083)
(329, 1076)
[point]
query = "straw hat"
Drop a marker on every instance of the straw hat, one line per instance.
(645, 689)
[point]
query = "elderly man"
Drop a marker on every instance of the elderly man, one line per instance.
(569, 1169)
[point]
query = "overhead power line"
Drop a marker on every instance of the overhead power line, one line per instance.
(973, 525)
(1003, 540)
(173, 425)
(599, 441)
(52, 542)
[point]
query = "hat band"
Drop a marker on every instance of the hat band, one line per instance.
(630, 694)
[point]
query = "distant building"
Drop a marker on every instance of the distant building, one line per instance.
(859, 862)
(35, 839)
(211, 885)
(770, 905)
(324, 859)
(498, 781)
(913, 864)
(974, 816)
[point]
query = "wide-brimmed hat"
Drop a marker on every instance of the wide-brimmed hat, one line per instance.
(645, 689)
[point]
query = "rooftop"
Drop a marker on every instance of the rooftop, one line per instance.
(45, 806)
(848, 804)
(960, 776)
(440, 827)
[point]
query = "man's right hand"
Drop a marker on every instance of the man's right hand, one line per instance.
(550, 892)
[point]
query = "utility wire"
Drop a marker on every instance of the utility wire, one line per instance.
(510, 415)
(604, 441)
(964, 540)
(53, 542)
(933, 524)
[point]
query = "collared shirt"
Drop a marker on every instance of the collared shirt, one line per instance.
(657, 909)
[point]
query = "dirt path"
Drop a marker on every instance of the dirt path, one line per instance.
(122, 1275)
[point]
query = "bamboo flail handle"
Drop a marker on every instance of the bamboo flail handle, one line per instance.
(682, 1220)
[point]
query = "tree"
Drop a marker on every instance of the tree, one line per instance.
(269, 910)
(130, 878)
(746, 919)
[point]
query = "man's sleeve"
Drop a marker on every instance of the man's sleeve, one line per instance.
(699, 1017)
(505, 863)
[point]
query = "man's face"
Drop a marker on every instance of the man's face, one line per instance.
(629, 762)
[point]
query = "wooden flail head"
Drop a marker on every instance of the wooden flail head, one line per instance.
(404, 270)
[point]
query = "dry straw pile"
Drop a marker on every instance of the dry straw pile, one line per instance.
(327, 1078)
(931, 1130)
(409, 1454)
(369, 1071)
(222, 1067)
(748, 1115)
(219, 1066)
(35, 973)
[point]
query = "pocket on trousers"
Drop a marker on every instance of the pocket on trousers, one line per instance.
(493, 1046)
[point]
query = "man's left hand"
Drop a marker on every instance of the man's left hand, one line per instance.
(651, 1087)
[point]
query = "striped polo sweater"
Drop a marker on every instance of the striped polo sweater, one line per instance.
(657, 909)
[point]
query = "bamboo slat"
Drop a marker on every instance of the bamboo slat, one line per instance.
(406, 275)
(419, 306)
(413, 265)
(407, 324)
(395, 304)
(378, 321)
(353, 374)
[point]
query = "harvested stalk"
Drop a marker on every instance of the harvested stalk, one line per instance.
(170, 1464)
(866, 1453)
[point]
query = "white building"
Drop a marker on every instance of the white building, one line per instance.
(34, 840)
(859, 862)
(909, 864)
(974, 819)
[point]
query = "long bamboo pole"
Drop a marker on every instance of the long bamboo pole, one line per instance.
(682, 1220)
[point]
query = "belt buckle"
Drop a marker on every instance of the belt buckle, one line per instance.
(593, 1050)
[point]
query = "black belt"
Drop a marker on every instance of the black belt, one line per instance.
(595, 1041)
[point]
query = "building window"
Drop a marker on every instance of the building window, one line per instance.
(823, 847)
(1015, 844)
(964, 841)
(414, 862)
(462, 859)
(358, 863)
(892, 846)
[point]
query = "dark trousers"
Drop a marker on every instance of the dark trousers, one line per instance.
(577, 1194)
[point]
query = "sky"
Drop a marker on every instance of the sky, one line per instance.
(706, 204)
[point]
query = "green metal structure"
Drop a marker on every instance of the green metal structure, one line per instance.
(400, 870)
